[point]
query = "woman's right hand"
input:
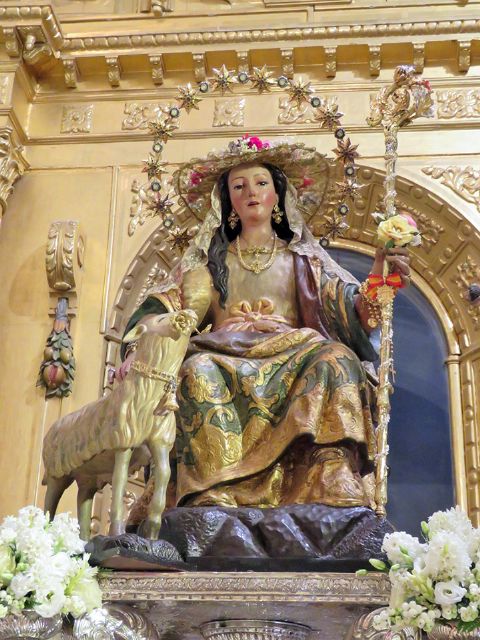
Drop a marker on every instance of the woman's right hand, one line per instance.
(122, 371)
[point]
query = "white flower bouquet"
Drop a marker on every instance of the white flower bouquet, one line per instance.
(43, 566)
(434, 582)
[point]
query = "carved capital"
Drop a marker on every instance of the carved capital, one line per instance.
(114, 622)
(12, 165)
(64, 255)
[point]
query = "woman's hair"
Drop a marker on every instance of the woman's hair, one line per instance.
(225, 234)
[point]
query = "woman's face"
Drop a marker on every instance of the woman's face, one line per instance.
(252, 194)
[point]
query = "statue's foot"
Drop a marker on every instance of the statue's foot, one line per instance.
(149, 529)
(116, 529)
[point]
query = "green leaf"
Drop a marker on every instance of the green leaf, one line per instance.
(361, 572)
(390, 244)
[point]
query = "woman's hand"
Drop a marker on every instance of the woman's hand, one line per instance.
(398, 258)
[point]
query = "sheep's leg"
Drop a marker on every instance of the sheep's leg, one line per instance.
(55, 490)
(85, 496)
(119, 483)
(160, 455)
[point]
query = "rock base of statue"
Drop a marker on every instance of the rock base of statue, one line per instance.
(298, 537)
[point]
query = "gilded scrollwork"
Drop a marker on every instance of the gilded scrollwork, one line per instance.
(234, 587)
(12, 165)
(76, 119)
(64, 255)
(140, 114)
(458, 104)
(229, 112)
(464, 181)
(291, 113)
(114, 70)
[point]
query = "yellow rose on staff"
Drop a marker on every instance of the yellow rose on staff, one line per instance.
(398, 230)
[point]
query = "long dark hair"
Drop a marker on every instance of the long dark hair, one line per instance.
(224, 235)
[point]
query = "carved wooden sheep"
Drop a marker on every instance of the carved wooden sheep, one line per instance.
(116, 435)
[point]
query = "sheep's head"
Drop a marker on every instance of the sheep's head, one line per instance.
(171, 325)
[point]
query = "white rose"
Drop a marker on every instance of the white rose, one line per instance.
(447, 558)
(21, 584)
(448, 592)
(51, 605)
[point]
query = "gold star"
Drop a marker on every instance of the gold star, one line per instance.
(160, 206)
(335, 227)
(261, 79)
(223, 79)
(179, 239)
(188, 98)
(346, 151)
(299, 91)
(153, 167)
(348, 190)
(162, 129)
(329, 117)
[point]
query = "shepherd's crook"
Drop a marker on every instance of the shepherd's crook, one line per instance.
(395, 106)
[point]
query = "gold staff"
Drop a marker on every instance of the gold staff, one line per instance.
(395, 106)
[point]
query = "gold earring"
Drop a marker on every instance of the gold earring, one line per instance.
(233, 219)
(277, 215)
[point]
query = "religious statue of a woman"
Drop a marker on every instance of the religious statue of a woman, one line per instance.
(275, 403)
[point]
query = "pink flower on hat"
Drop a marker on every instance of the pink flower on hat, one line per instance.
(195, 178)
(254, 141)
(307, 182)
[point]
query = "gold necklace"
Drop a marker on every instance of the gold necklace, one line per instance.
(256, 267)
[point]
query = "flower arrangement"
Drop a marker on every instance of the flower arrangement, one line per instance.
(43, 566)
(434, 582)
(399, 230)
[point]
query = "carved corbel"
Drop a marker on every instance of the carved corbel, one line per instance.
(64, 264)
(157, 7)
(114, 70)
(374, 60)
(12, 43)
(36, 51)
(464, 55)
(199, 67)
(287, 63)
(71, 73)
(12, 165)
(156, 63)
(419, 56)
(243, 62)
(330, 62)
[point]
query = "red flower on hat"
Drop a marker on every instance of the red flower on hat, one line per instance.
(254, 141)
(195, 178)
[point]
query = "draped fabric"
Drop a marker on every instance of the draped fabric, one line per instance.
(274, 400)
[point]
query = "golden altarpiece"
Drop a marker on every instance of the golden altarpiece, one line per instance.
(80, 80)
